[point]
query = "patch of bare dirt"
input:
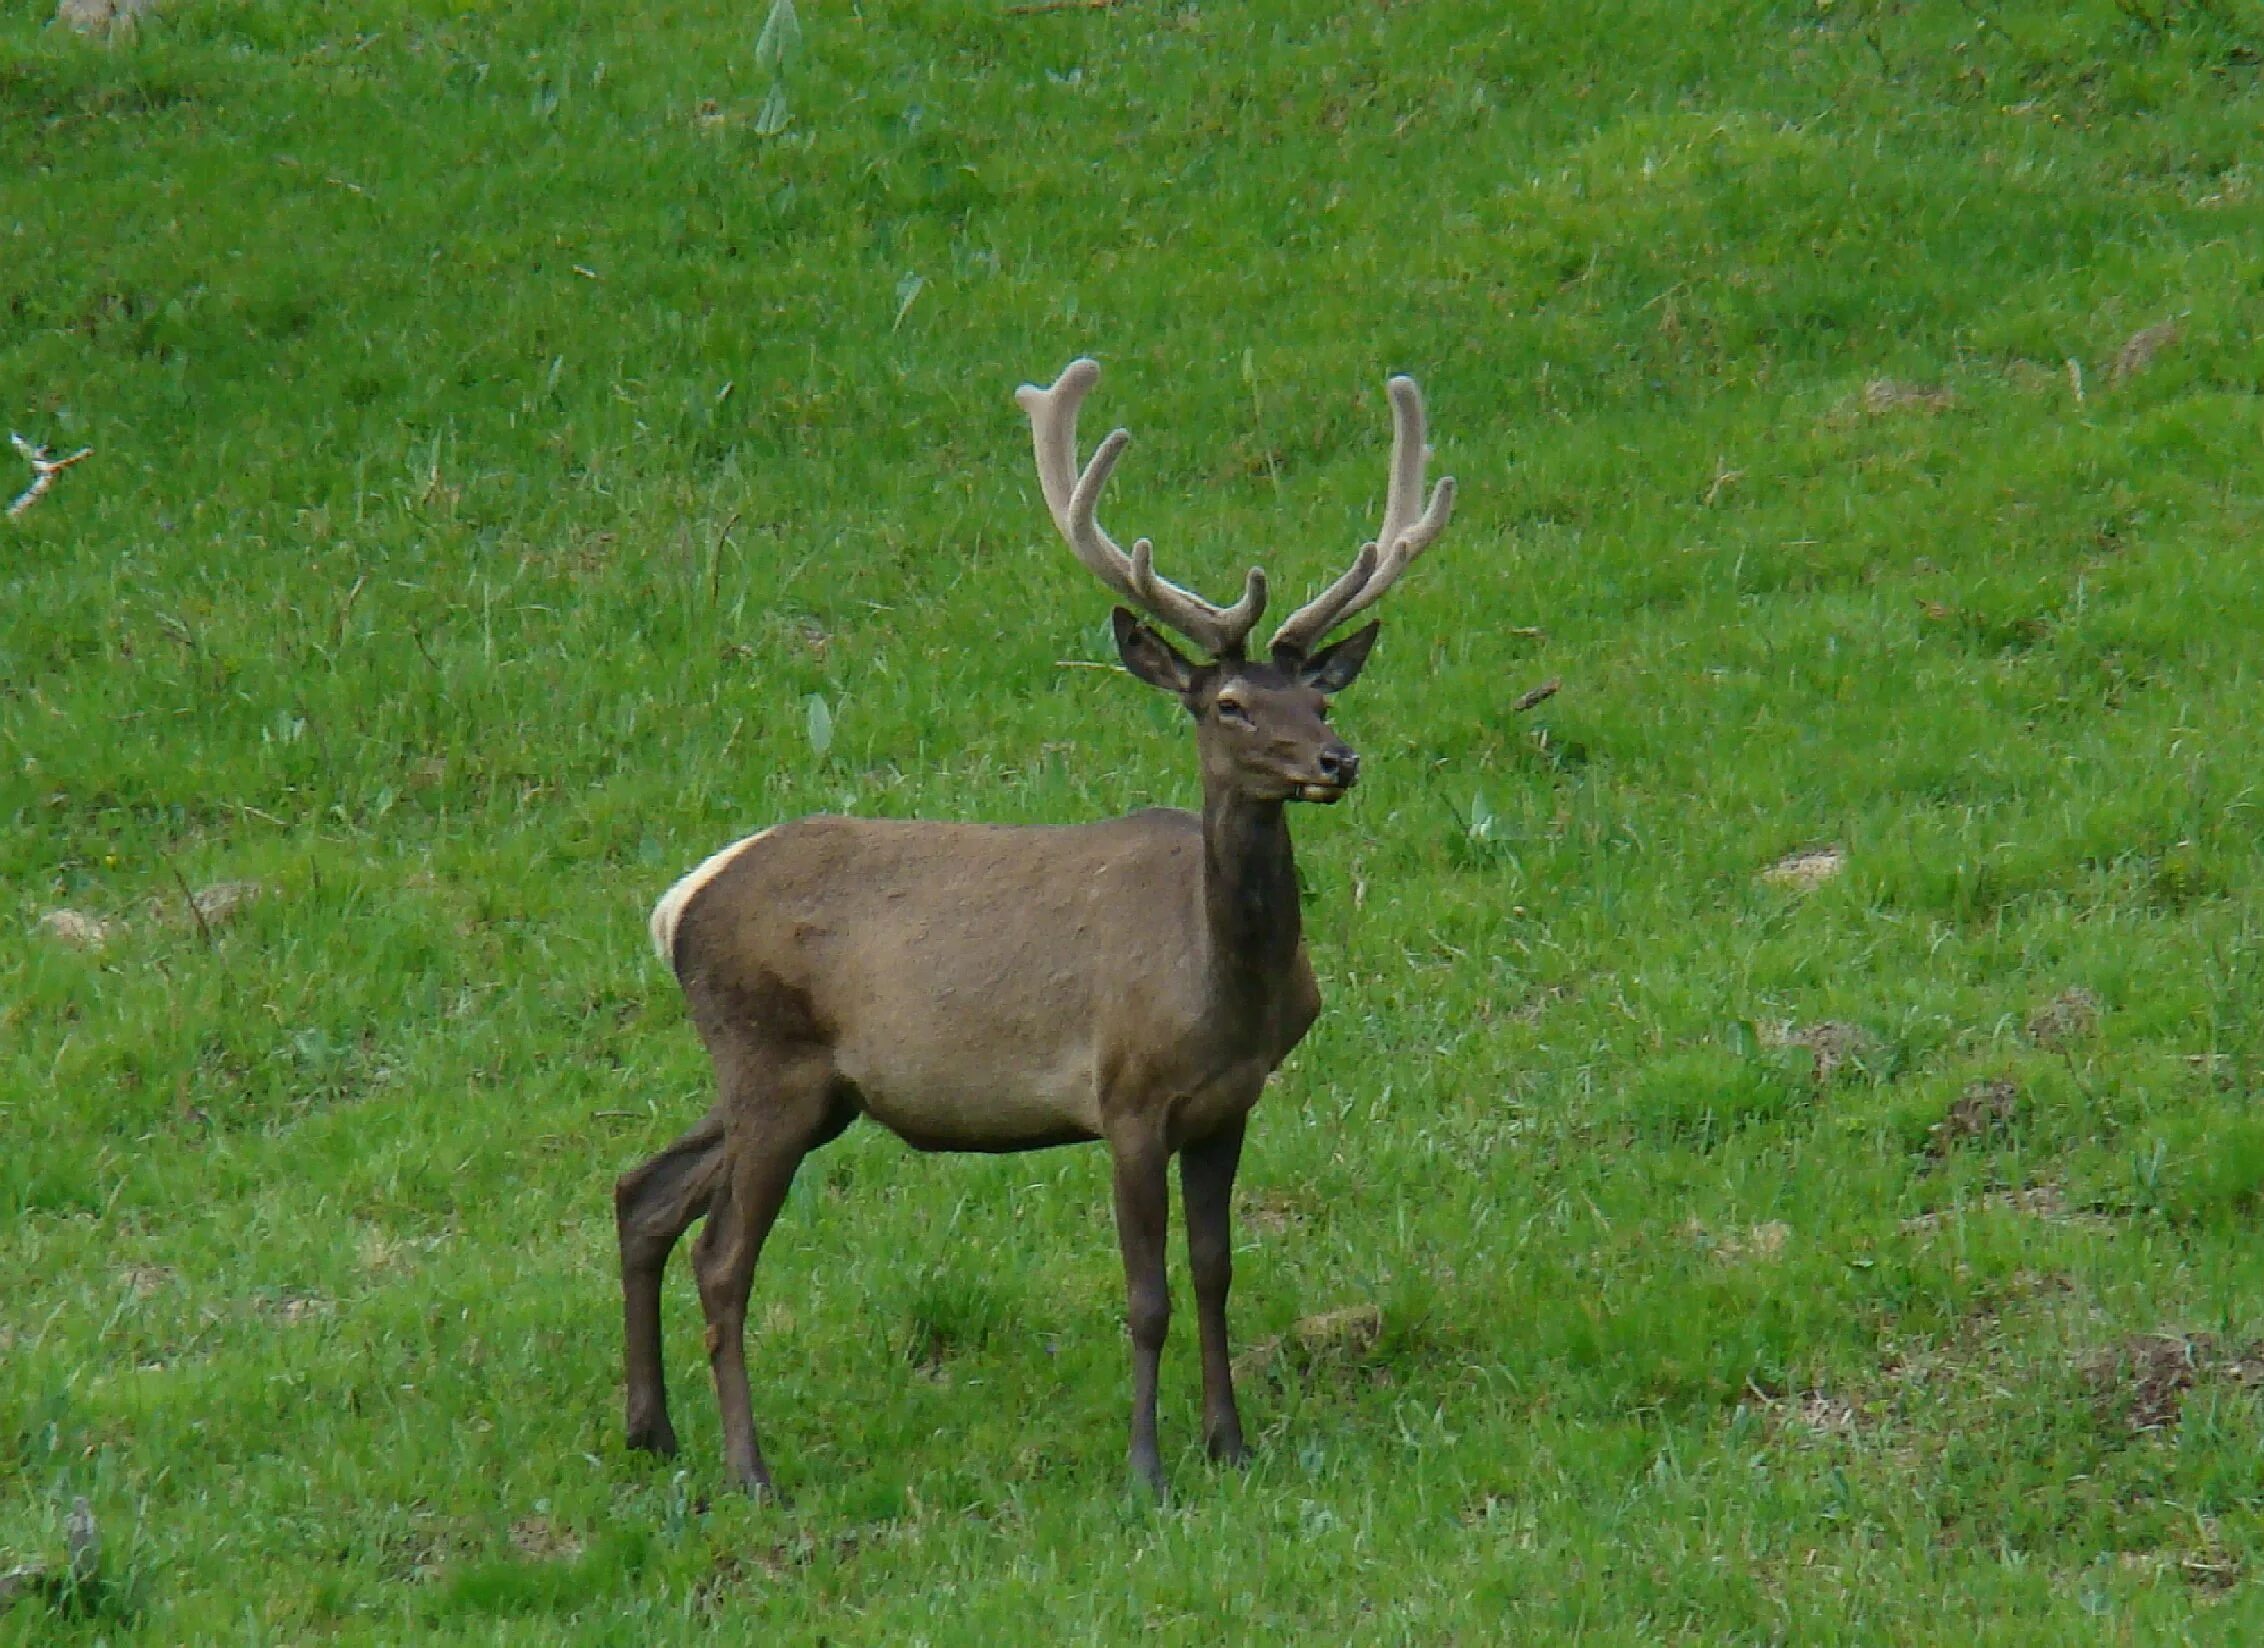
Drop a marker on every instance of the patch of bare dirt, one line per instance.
(1756, 1243)
(544, 1540)
(1272, 1211)
(425, 1547)
(1823, 1414)
(1984, 1110)
(2069, 1017)
(737, 1570)
(1812, 1412)
(2040, 1201)
(2210, 1570)
(1889, 395)
(1354, 1330)
(1348, 1335)
(2034, 377)
(208, 908)
(220, 902)
(2144, 1379)
(291, 1305)
(1831, 1044)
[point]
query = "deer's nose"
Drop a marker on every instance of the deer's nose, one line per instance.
(1339, 764)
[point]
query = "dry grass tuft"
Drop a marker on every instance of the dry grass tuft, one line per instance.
(78, 929)
(2139, 350)
(1810, 867)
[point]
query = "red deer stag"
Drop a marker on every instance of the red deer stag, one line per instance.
(980, 987)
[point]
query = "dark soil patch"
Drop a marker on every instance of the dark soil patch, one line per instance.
(2143, 1380)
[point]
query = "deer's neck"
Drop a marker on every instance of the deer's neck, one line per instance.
(1249, 891)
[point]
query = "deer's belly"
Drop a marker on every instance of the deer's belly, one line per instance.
(983, 1108)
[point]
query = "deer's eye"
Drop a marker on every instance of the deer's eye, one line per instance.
(1232, 713)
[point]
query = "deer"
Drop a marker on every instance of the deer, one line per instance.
(978, 987)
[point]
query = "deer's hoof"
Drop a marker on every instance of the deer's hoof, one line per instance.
(763, 1491)
(658, 1439)
(1148, 1481)
(1230, 1450)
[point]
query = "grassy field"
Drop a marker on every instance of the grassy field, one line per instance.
(503, 437)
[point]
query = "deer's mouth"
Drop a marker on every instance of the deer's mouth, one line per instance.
(1322, 790)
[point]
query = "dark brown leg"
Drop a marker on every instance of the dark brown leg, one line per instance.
(1206, 1184)
(771, 1131)
(652, 1207)
(1143, 1217)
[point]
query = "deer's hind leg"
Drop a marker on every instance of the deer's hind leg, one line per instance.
(652, 1207)
(779, 1106)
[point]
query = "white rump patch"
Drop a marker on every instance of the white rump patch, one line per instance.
(670, 910)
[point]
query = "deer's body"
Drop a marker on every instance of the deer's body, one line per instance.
(992, 988)
(1083, 959)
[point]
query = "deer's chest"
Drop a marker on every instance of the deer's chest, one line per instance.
(1219, 1064)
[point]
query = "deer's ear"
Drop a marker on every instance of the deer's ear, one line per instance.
(1334, 668)
(1150, 657)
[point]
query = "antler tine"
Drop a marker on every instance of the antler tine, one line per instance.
(1072, 496)
(1405, 535)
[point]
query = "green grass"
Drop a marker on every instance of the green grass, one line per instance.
(499, 443)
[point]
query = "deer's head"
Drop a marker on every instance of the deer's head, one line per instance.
(1262, 727)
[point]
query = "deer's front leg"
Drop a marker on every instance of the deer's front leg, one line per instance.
(1206, 1184)
(1143, 1216)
